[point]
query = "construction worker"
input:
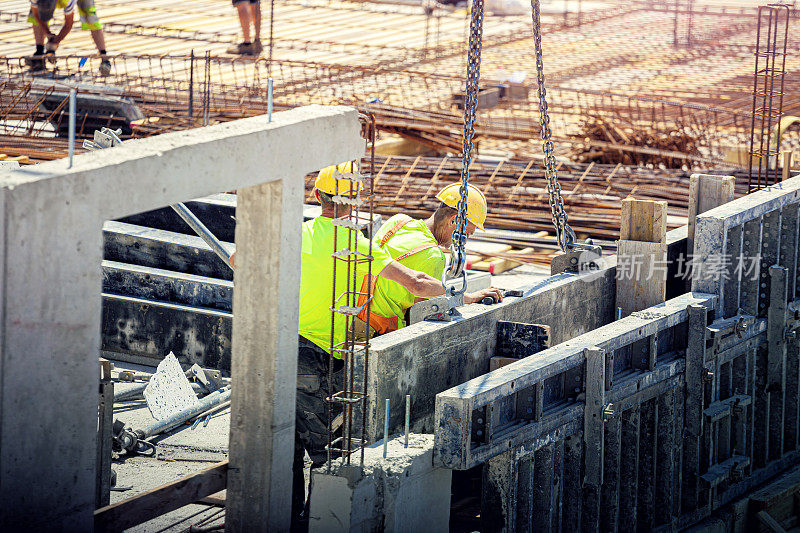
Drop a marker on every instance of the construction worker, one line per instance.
(417, 244)
(41, 13)
(248, 10)
(311, 428)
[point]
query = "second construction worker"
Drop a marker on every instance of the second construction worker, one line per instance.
(314, 353)
(40, 16)
(417, 244)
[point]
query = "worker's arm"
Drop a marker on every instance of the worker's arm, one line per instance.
(424, 286)
(65, 29)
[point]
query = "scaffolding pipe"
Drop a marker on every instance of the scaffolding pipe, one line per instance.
(203, 232)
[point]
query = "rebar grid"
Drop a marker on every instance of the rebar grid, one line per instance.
(768, 93)
(516, 193)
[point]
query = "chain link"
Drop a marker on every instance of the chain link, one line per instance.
(564, 233)
(457, 249)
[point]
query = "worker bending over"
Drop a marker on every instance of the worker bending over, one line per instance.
(416, 244)
(311, 428)
(41, 14)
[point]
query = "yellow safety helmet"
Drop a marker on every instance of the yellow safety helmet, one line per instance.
(476, 202)
(326, 182)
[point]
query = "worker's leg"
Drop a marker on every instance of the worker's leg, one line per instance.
(244, 48)
(99, 41)
(39, 36)
(255, 8)
(244, 19)
(311, 416)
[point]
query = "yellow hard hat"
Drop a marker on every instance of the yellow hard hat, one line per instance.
(326, 181)
(476, 202)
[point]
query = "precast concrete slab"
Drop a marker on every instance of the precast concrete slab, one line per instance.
(51, 218)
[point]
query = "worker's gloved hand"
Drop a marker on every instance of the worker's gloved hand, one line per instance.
(492, 292)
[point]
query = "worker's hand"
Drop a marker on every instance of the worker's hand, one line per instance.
(474, 297)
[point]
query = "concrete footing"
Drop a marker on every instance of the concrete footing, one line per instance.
(402, 492)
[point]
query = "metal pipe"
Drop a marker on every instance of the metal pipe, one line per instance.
(177, 419)
(137, 393)
(408, 418)
(203, 232)
(269, 100)
(619, 313)
(386, 428)
(72, 98)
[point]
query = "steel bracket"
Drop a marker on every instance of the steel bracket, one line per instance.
(579, 261)
(441, 308)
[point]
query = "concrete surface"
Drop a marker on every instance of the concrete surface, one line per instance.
(398, 493)
(50, 279)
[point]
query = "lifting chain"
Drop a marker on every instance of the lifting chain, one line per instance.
(564, 233)
(458, 255)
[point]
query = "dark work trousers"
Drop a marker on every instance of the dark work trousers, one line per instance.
(311, 416)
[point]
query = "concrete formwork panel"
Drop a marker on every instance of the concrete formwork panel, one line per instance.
(51, 218)
(427, 358)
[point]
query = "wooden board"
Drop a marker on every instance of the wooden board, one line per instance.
(161, 500)
(641, 275)
(643, 220)
(707, 191)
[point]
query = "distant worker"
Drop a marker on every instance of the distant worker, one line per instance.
(311, 430)
(416, 244)
(41, 14)
(248, 10)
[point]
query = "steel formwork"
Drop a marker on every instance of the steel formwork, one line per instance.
(660, 418)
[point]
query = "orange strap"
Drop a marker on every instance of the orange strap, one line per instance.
(382, 324)
(404, 219)
(416, 250)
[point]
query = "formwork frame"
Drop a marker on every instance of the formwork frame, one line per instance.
(660, 418)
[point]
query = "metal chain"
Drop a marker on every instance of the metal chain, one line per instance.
(564, 233)
(457, 250)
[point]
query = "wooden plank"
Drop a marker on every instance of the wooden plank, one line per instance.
(643, 220)
(161, 500)
(786, 163)
(500, 362)
(641, 275)
(706, 191)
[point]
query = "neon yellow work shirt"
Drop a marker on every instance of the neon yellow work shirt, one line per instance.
(316, 275)
(392, 299)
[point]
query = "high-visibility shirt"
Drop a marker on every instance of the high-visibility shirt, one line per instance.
(316, 279)
(412, 244)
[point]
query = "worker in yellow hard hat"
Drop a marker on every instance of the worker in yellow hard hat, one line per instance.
(315, 322)
(417, 245)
